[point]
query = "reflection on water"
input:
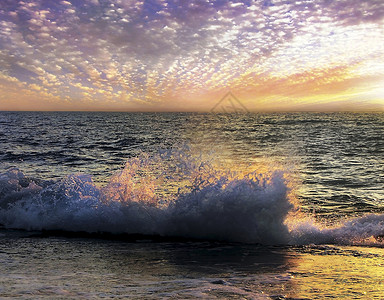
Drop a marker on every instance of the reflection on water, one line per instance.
(75, 268)
(339, 273)
(338, 157)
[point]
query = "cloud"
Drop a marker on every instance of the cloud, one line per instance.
(163, 51)
(67, 3)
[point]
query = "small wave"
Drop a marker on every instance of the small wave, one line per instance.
(175, 194)
(365, 230)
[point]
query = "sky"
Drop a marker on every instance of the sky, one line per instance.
(164, 55)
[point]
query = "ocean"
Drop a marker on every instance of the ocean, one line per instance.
(191, 205)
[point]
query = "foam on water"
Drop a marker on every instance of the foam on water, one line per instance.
(175, 193)
(365, 230)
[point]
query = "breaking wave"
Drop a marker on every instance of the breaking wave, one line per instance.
(175, 194)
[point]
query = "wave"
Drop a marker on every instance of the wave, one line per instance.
(176, 194)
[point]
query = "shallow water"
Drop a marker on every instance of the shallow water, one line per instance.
(56, 268)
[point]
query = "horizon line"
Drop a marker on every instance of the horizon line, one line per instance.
(207, 112)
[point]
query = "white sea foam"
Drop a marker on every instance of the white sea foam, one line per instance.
(366, 230)
(173, 194)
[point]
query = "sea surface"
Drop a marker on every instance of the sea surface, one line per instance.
(191, 205)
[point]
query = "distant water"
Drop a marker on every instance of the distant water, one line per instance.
(291, 179)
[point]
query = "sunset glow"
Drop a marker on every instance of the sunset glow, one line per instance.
(163, 55)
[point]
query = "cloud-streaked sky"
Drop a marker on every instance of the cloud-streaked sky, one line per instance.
(185, 55)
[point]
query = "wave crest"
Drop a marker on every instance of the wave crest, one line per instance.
(175, 193)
